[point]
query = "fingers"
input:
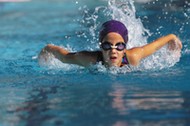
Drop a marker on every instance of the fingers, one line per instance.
(179, 43)
(175, 44)
(44, 53)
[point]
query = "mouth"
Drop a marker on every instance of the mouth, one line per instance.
(113, 58)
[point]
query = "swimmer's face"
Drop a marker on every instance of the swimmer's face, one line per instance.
(113, 57)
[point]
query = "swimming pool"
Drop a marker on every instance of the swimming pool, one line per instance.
(156, 93)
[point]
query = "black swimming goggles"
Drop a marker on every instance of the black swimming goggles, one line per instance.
(108, 46)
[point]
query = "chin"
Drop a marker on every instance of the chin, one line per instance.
(113, 65)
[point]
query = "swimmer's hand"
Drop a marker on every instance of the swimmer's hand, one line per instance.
(175, 44)
(45, 54)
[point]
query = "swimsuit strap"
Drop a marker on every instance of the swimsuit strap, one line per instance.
(125, 60)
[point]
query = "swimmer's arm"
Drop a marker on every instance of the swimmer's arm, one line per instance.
(83, 58)
(138, 53)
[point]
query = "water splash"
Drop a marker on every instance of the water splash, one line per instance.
(124, 11)
(47, 60)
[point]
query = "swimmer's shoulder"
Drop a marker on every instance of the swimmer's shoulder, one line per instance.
(134, 56)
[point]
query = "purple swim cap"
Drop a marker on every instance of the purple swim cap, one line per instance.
(113, 26)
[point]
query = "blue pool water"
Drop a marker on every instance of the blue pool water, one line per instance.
(56, 94)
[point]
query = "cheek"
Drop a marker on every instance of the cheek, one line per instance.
(121, 54)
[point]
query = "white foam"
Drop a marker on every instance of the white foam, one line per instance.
(48, 60)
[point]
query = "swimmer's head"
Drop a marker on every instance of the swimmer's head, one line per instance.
(113, 26)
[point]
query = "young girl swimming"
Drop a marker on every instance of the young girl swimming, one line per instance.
(113, 38)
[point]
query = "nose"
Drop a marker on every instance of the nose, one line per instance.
(113, 50)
